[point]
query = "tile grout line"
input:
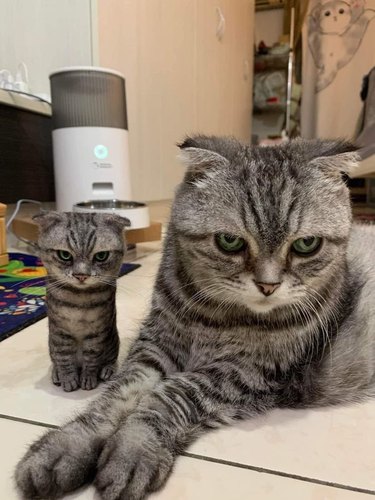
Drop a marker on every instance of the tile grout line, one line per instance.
(279, 473)
(27, 421)
(229, 463)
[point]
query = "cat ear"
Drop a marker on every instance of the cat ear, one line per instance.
(202, 164)
(343, 163)
(228, 147)
(198, 160)
(46, 219)
(114, 220)
(333, 157)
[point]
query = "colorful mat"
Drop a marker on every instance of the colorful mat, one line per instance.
(23, 292)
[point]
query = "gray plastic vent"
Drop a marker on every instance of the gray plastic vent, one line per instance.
(88, 98)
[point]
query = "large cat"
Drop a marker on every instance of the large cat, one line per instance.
(82, 254)
(263, 300)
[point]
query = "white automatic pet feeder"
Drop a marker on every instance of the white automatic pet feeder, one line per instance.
(90, 143)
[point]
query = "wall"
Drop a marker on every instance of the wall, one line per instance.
(268, 26)
(45, 34)
(180, 78)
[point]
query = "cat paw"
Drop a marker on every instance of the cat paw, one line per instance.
(88, 381)
(134, 463)
(70, 383)
(56, 464)
(107, 372)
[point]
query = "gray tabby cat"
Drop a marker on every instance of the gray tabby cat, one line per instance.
(263, 300)
(82, 254)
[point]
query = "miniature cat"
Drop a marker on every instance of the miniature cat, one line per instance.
(82, 254)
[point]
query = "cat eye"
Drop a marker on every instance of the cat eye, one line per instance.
(101, 256)
(230, 243)
(64, 255)
(306, 246)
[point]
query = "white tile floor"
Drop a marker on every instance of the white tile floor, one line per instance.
(325, 454)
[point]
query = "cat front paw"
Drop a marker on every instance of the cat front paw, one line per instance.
(134, 463)
(54, 465)
(107, 372)
(68, 381)
(89, 380)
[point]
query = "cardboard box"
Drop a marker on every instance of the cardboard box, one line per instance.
(26, 228)
(3, 240)
(4, 259)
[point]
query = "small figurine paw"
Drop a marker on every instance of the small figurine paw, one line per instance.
(107, 372)
(69, 382)
(89, 380)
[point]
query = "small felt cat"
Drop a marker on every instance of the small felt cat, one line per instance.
(82, 254)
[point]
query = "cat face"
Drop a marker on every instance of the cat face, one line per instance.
(264, 228)
(81, 250)
(334, 17)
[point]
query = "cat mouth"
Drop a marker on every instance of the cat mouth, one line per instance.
(267, 304)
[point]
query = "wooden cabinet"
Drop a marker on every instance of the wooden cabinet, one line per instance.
(181, 77)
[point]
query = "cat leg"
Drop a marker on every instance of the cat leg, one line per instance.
(63, 348)
(109, 367)
(55, 375)
(99, 354)
(66, 458)
(139, 457)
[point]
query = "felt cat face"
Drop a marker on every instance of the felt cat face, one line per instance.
(335, 17)
(263, 228)
(81, 249)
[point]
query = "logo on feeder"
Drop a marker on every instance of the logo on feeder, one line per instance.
(101, 152)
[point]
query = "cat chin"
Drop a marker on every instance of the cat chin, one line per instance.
(87, 284)
(264, 306)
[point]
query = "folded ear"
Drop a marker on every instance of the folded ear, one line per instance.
(334, 157)
(46, 219)
(114, 220)
(202, 161)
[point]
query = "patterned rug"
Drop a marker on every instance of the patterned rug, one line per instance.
(23, 292)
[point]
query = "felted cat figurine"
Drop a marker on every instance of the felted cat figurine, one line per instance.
(82, 254)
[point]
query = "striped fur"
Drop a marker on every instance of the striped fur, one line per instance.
(83, 337)
(213, 349)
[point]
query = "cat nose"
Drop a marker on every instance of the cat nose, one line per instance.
(81, 277)
(267, 288)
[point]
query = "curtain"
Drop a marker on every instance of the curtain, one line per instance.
(338, 51)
